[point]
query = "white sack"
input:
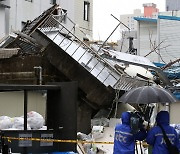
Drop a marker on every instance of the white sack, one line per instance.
(5, 122)
(18, 123)
(35, 120)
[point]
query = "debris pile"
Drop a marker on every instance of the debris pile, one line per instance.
(102, 132)
(35, 121)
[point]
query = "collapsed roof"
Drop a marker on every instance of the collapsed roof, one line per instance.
(100, 77)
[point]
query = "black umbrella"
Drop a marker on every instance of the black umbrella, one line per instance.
(147, 95)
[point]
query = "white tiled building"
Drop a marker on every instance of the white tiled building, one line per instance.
(128, 19)
(158, 39)
(15, 13)
(150, 11)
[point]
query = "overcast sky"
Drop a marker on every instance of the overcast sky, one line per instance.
(104, 23)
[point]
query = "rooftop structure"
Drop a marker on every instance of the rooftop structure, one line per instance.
(150, 9)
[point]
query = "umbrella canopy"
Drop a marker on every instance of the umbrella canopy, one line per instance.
(146, 95)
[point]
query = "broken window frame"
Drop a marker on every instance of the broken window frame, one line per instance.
(61, 16)
(86, 10)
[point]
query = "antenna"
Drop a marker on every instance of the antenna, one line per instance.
(113, 32)
(108, 37)
(121, 22)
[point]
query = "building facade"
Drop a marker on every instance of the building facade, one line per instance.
(147, 37)
(169, 34)
(158, 39)
(128, 20)
(150, 11)
(79, 13)
(14, 14)
(172, 5)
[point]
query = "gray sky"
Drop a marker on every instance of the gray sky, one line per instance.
(104, 23)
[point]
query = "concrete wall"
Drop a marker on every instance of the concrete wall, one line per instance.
(174, 112)
(2, 22)
(12, 103)
(20, 11)
(84, 24)
(75, 11)
(147, 37)
(169, 36)
(161, 37)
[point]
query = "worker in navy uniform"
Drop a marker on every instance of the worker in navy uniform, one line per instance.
(124, 139)
(155, 135)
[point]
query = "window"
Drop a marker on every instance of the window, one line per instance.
(52, 1)
(167, 8)
(86, 10)
(29, 0)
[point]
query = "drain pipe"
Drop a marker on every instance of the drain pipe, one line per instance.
(39, 73)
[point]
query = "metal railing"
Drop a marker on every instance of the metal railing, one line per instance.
(86, 56)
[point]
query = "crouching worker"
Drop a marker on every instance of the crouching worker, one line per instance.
(124, 139)
(156, 138)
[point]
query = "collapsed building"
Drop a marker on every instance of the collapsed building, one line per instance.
(46, 51)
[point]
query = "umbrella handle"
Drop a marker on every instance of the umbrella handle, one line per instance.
(150, 117)
(140, 147)
(136, 147)
(151, 112)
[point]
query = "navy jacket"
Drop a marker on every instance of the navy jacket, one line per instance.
(155, 135)
(124, 140)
